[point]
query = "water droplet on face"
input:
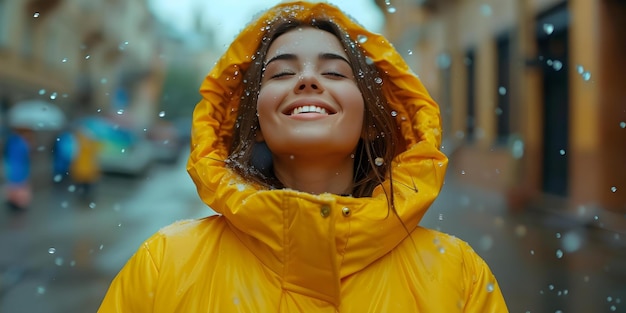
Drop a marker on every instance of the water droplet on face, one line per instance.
(379, 161)
(548, 28)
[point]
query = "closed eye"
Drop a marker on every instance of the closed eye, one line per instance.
(334, 74)
(281, 74)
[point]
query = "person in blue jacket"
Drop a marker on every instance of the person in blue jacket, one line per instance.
(17, 167)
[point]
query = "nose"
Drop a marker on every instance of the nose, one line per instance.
(308, 83)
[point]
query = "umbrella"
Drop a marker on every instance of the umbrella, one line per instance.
(36, 115)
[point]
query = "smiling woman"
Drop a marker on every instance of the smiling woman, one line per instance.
(353, 141)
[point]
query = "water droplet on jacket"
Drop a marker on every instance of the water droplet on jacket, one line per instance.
(490, 287)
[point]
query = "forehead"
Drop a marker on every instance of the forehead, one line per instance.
(306, 40)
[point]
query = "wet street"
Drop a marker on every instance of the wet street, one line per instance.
(60, 256)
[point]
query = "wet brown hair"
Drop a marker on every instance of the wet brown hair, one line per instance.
(379, 135)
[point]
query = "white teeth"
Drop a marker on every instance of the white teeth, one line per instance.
(308, 109)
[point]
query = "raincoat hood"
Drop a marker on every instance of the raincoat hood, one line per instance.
(314, 241)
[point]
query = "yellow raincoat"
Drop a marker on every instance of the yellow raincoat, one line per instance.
(290, 251)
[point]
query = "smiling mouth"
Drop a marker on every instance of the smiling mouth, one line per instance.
(309, 109)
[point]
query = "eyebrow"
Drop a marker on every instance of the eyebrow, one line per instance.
(321, 56)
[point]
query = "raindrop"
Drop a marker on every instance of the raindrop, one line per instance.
(442, 250)
(613, 189)
(558, 235)
(562, 152)
(441, 216)
(92, 205)
(391, 9)
(486, 10)
(87, 57)
(387, 2)
(622, 124)
(41, 290)
(162, 114)
(394, 113)
(462, 172)
(58, 261)
(490, 287)
(36, 15)
(378, 80)
(532, 252)
(502, 91)
(548, 28)
(42, 92)
(103, 81)
(71, 188)
(379, 161)
(361, 38)
(559, 253)
(52, 250)
(369, 61)
(120, 111)
(291, 157)
(571, 242)
(123, 150)
(64, 60)
(410, 52)
(53, 96)
(57, 178)
(557, 65)
(586, 76)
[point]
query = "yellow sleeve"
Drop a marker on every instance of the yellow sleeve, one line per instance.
(483, 294)
(133, 289)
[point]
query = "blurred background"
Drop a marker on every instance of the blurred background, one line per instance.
(96, 98)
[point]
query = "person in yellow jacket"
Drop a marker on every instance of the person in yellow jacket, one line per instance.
(85, 167)
(319, 149)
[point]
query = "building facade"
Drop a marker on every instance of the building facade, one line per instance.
(532, 96)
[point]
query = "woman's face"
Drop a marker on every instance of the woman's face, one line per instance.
(309, 102)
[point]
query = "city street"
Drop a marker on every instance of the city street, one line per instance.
(61, 255)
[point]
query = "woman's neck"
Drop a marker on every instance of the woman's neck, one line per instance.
(314, 174)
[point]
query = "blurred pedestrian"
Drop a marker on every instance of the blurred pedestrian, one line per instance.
(327, 220)
(63, 153)
(17, 168)
(85, 167)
